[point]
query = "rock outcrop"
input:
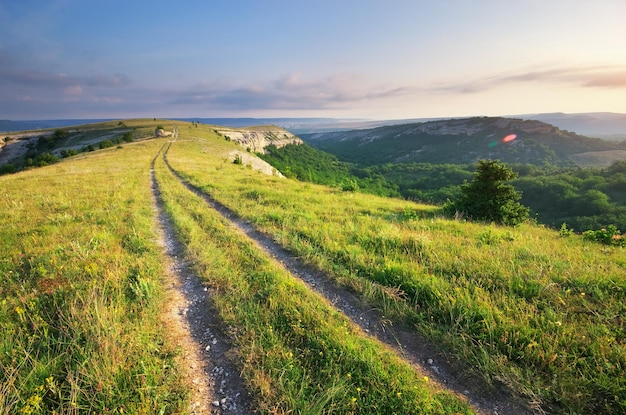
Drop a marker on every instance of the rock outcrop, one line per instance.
(253, 161)
(257, 138)
(159, 132)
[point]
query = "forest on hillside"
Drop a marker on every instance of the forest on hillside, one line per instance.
(582, 198)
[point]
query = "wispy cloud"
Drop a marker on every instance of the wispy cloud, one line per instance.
(115, 94)
(615, 79)
(296, 92)
(585, 77)
(292, 91)
(61, 80)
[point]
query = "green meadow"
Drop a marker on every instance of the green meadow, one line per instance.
(537, 311)
(540, 312)
(81, 290)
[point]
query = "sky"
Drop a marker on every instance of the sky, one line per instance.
(370, 59)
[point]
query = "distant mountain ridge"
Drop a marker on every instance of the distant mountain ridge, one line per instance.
(595, 124)
(26, 125)
(598, 124)
(463, 141)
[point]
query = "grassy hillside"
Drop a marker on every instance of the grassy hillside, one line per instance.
(309, 164)
(583, 198)
(80, 291)
(525, 307)
(461, 141)
(26, 149)
(297, 352)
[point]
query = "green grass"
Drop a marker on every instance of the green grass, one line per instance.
(523, 306)
(297, 352)
(80, 290)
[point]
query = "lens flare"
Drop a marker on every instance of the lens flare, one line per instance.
(509, 138)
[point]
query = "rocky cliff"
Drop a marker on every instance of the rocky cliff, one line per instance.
(257, 138)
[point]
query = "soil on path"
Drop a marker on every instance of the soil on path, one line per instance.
(191, 322)
(418, 351)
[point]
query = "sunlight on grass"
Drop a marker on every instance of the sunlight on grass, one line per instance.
(81, 288)
(523, 306)
(298, 353)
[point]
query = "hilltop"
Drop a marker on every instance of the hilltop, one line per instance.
(463, 141)
(40, 147)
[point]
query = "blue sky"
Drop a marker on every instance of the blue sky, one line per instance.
(272, 58)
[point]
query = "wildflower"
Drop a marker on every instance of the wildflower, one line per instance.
(34, 401)
(353, 399)
(425, 378)
(358, 390)
(582, 294)
(349, 376)
(399, 394)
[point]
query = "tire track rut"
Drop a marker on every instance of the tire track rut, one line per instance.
(420, 353)
(216, 385)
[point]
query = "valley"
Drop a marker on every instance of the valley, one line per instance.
(332, 300)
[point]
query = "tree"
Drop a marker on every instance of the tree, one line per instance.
(488, 197)
(60, 134)
(128, 137)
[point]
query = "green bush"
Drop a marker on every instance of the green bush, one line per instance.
(41, 160)
(350, 185)
(564, 231)
(488, 197)
(60, 134)
(608, 236)
(105, 144)
(69, 153)
(7, 169)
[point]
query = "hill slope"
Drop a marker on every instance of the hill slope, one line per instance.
(462, 141)
(23, 149)
(526, 307)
